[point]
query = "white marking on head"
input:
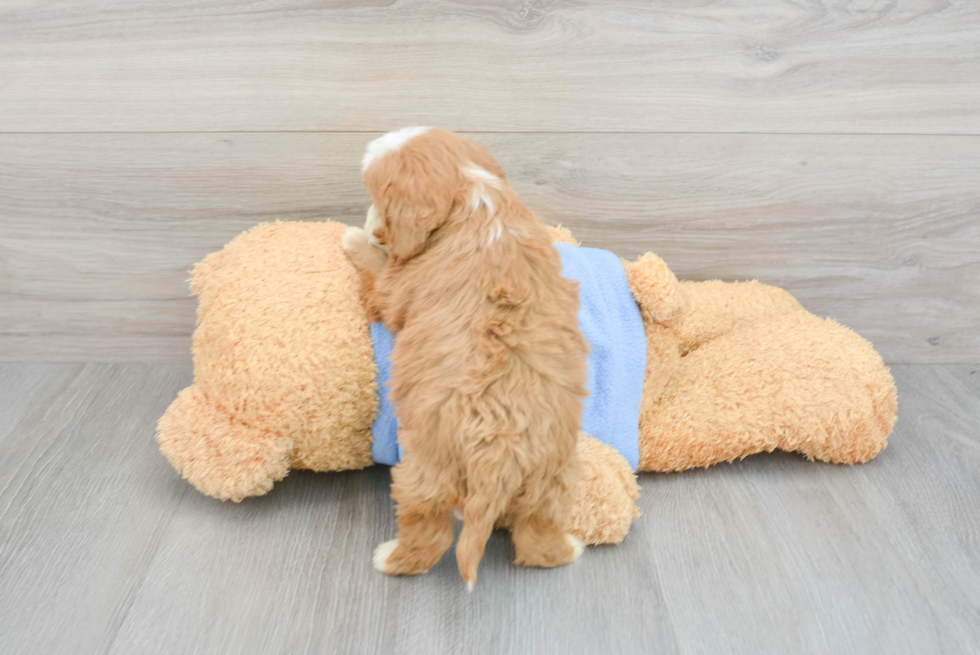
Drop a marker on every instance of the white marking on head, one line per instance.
(390, 142)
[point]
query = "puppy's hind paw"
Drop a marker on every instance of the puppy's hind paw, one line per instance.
(382, 552)
(393, 558)
(577, 546)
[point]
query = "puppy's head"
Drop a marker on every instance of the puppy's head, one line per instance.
(420, 178)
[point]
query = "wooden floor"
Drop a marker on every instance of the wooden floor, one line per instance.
(830, 147)
(104, 549)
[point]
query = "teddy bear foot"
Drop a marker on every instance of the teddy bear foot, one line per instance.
(606, 505)
(533, 550)
(863, 413)
(221, 457)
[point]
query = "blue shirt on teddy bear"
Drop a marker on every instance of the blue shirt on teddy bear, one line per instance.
(610, 321)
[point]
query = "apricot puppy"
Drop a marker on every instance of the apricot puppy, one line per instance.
(489, 365)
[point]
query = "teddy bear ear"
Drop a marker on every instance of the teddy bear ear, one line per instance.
(559, 234)
(655, 288)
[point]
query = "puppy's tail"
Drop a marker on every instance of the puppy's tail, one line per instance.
(492, 478)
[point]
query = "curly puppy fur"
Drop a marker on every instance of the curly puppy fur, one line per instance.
(489, 366)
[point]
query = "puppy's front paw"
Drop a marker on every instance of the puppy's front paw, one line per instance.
(357, 245)
(355, 238)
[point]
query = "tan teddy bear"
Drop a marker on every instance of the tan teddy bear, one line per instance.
(285, 377)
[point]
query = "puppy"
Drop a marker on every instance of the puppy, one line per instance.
(488, 367)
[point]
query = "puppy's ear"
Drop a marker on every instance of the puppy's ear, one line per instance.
(411, 213)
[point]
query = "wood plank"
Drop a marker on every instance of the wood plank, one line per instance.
(24, 385)
(492, 65)
(773, 554)
(84, 501)
(291, 572)
(97, 232)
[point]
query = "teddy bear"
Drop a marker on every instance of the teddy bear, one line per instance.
(289, 373)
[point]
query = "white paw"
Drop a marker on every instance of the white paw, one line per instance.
(458, 515)
(577, 544)
(381, 554)
(352, 237)
(469, 586)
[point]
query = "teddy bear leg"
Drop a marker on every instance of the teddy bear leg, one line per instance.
(714, 308)
(798, 383)
(605, 505)
(220, 456)
(866, 398)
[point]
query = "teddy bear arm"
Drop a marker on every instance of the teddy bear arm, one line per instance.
(655, 289)
(220, 456)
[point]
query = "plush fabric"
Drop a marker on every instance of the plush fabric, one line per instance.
(283, 373)
(735, 369)
(285, 377)
(610, 321)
